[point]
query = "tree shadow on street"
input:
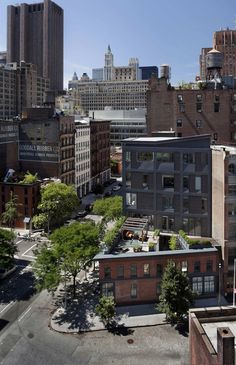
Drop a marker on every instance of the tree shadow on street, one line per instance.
(183, 328)
(119, 329)
(79, 313)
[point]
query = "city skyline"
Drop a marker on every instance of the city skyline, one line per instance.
(155, 33)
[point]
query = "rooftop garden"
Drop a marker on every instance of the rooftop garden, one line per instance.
(14, 177)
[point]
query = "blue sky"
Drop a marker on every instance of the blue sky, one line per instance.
(167, 31)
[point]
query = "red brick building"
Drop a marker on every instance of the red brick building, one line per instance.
(212, 336)
(191, 112)
(135, 277)
(27, 196)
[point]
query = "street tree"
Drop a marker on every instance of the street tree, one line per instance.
(11, 212)
(176, 294)
(58, 202)
(71, 249)
(7, 248)
(105, 310)
(110, 208)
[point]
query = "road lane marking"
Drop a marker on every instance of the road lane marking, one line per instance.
(19, 242)
(23, 315)
(24, 254)
(31, 257)
(6, 306)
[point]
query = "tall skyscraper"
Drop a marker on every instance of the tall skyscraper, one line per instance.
(35, 35)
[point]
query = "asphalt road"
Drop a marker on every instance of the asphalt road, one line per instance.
(30, 341)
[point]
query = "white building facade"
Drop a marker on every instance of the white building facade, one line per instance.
(82, 157)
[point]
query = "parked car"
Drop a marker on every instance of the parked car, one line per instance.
(5, 272)
(116, 188)
(81, 214)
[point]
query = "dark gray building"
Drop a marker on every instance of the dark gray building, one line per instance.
(35, 35)
(169, 180)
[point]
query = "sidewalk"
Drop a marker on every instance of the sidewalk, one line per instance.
(77, 319)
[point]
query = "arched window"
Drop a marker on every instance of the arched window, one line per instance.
(232, 168)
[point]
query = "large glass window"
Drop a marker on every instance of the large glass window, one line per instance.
(128, 179)
(197, 284)
(167, 203)
(165, 157)
(168, 182)
(185, 183)
(232, 189)
(108, 289)
(145, 156)
(188, 158)
(131, 200)
(209, 266)
(232, 209)
(209, 284)
(197, 267)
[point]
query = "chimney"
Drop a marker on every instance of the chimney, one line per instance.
(225, 346)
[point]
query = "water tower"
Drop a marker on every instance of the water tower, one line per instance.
(214, 64)
(165, 72)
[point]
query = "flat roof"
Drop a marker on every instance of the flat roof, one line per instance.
(211, 330)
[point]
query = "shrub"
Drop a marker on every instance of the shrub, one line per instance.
(106, 309)
(173, 242)
(151, 246)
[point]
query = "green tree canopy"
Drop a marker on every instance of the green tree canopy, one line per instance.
(176, 294)
(71, 249)
(106, 309)
(110, 208)
(11, 213)
(58, 202)
(7, 248)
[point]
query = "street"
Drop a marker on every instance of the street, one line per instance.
(29, 341)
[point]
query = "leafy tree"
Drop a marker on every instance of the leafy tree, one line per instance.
(112, 233)
(58, 202)
(109, 208)
(106, 310)
(11, 213)
(176, 295)
(7, 248)
(71, 249)
(29, 178)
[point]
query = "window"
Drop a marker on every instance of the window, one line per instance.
(108, 289)
(144, 183)
(167, 203)
(188, 158)
(133, 271)
(133, 291)
(145, 156)
(204, 205)
(197, 284)
(216, 107)
(185, 205)
(232, 189)
(209, 266)
(128, 179)
(131, 200)
(185, 183)
(198, 183)
(180, 98)
(127, 156)
(159, 270)
(198, 123)
(107, 272)
(120, 272)
(168, 182)
(209, 284)
(181, 108)
(146, 269)
(215, 136)
(199, 97)
(179, 123)
(231, 168)
(197, 266)
(232, 209)
(158, 288)
(184, 266)
(199, 107)
(165, 157)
